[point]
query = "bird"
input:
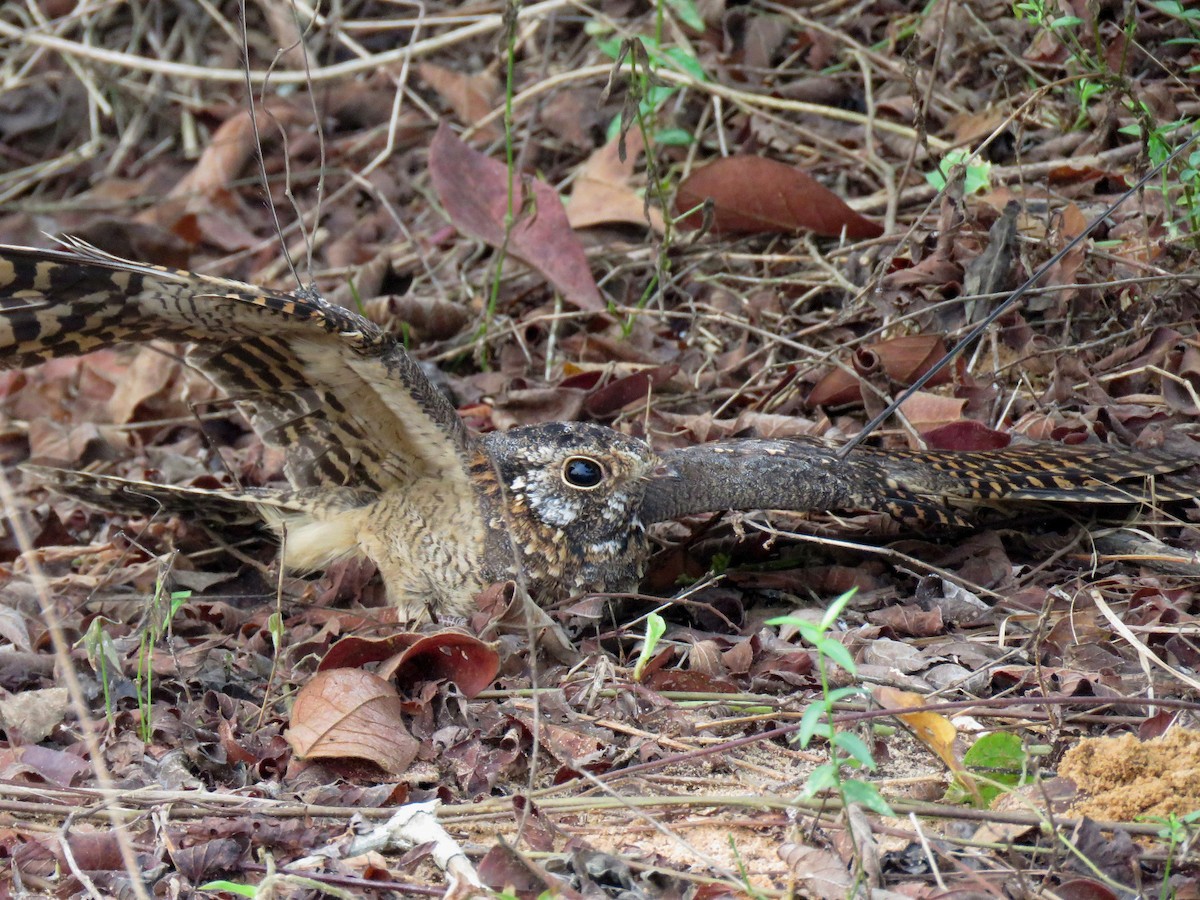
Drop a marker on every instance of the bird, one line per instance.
(379, 463)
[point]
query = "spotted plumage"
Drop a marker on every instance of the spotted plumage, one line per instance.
(380, 464)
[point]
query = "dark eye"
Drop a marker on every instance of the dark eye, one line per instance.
(581, 472)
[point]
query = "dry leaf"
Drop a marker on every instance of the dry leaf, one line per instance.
(473, 189)
(602, 193)
(470, 96)
(756, 195)
(349, 713)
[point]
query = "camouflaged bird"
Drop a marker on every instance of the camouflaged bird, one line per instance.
(379, 463)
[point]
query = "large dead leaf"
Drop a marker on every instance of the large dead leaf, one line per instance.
(349, 713)
(756, 195)
(473, 188)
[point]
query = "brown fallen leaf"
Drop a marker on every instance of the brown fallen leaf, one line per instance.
(965, 434)
(453, 656)
(925, 411)
(350, 713)
(470, 96)
(602, 192)
(756, 195)
(900, 360)
(473, 189)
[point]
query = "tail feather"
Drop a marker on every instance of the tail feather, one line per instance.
(224, 506)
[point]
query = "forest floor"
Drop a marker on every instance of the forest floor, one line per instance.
(888, 173)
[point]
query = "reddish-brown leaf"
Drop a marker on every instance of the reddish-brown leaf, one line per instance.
(756, 195)
(900, 360)
(353, 652)
(617, 394)
(452, 656)
(966, 434)
(473, 189)
(409, 659)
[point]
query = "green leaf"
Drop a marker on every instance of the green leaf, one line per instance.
(686, 63)
(836, 608)
(810, 631)
(809, 723)
(610, 47)
(865, 794)
(839, 655)
(819, 779)
(1065, 22)
(687, 13)
(998, 750)
(275, 628)
(656, 627)
(851, 743)
(977, 177)
(1000, 761)
(674, 137)
(246, 890)
(852, 690)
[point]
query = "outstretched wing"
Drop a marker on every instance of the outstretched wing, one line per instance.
(929, 487)
(342, 398)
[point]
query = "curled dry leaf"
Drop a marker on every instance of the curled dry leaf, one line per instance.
(1180, 379)
(349, 713)
(428, 317)
(409, 658)
(756, 195)
(450, 655)
(901, 360)
(474, 188)
(933, 730)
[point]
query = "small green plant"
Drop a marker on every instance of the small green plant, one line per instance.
(1180, 185)
(232, 887)
(645, 97)
(998, 762)
(163, 607)
(976, 177)
(655, 629)
(1176, 831)
(744, 872)
(646, 55)
(846, 750)
(649, 93)
(105, 661)
(1092, 75)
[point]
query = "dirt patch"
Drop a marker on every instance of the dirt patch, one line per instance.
(1125, 778)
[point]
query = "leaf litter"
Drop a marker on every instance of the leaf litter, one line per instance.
(754, 328)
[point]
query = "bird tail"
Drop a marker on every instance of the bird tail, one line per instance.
(223, 506)
(924, 487)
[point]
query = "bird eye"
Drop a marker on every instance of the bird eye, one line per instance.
(582, 472)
